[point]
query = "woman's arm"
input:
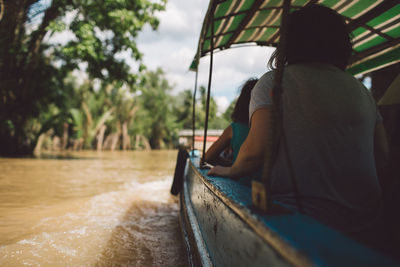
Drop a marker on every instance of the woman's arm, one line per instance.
(224, 141)
(251, 153)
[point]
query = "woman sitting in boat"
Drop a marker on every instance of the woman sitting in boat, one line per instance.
(235, 134)
(331, 125)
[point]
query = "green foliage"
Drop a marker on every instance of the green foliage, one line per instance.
(39, 95)
(213, 105)
(27, 107)
(90, 112)
(78, 122)
(229, 111)
(30, 84)
(156, 116)
(104, 28)
(219, 122)
(152, 112)
(56, 26)
(184, 111)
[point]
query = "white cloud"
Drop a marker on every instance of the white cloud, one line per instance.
(232, 68)
(62, 38)
(180, 22)
(174, 21)
(174, 45)
(222, 103)
(65, 36)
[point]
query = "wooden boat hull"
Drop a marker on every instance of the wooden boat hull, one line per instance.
(220, 229)
(217, 236)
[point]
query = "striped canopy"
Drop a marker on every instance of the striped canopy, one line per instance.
(374, 25)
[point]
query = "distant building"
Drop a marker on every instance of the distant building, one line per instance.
(185, 138)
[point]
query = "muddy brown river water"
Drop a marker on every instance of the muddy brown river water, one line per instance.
(90, 209)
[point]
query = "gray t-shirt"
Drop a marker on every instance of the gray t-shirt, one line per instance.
(329, 119)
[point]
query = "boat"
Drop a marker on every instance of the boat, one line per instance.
(221, 221)
(221, 228)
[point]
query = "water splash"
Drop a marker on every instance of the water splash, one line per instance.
(134, 225)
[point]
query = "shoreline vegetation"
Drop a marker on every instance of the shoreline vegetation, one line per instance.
(147, 120)
(79, 93)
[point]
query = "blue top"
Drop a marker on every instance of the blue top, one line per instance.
(239, 134)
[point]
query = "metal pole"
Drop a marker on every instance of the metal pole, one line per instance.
(194, 108)
(209, 84)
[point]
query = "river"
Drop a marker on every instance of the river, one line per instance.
(90, 209)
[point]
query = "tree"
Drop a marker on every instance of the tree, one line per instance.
(155, 114)
(228, 112)
(89, 114)
(125, 105)
(219, 122)
(183, 109)
(32, 71)
(212, 107)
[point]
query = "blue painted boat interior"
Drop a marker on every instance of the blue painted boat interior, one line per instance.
(324, 246)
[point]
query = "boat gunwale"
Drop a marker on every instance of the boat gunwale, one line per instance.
(288, 252)
(186, 234)
(188, 219)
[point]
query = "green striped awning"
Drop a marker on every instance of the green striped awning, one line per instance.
(375, 27)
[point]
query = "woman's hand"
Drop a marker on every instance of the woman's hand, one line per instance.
(220, 171)
(251, 153)
(213, 153)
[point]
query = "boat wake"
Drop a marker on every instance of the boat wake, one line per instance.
(136, 225)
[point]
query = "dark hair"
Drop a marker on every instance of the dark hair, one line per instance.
(316, 34)
(241, 110)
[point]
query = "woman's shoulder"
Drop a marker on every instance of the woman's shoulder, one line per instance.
(265, 81)
(267, 76)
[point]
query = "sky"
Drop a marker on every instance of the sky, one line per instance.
(173, 46)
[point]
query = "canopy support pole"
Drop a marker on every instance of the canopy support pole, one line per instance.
(194, 108)
(209, 86)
